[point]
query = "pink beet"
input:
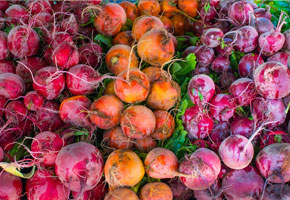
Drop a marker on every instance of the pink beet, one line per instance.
(222, 107)
(248, 64)
(4, 51)
(235, 153)
(243, 184)
(7, 66)
(16, 14)
(10, 187)
(79, 166)
(11, 85)
(281, 57)
(43, 185)
(273, 162)
(200, 169)
(45, 147)
(49, 82)
(242, 126)
(65, 55)
(23, 41)
(90, 54)
(243, 89)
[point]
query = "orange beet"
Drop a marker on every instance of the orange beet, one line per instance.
(178, 22)
(161, 163)
(117, 139)
(110, 19)
(123, 168)
(154, 73)
(163, 95)
(156, 47)
(149, 7)
(156, 191)
(138, 122)
(144, 24)
(118, 58)
(124, 37)
(146, 144)
(131, 10)
(164, 125)
(136, 89)
(121, 194)
(169, 5)
(189, 7)
(106, 112)
(109, 89)
(167, 24)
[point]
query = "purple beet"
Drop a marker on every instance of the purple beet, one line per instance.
(204, 55)
(242, 126)
(248, 63)
(247, 39)
(220, 64)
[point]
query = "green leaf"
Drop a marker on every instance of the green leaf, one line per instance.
(200, 96)
(194, 40)
(81, 133)
(12, 168)
(278, 138)
(235, 58)
(127, 26)
(103, 39)
(187, 66)
(206, 7)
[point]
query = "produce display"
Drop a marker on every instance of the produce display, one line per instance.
(145, 99)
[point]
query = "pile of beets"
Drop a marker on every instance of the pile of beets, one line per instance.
(88, 99)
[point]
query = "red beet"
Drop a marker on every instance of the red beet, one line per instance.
(204, 55)
(248, 64)
(263, 12)
(273, 162)
(197, 123)
(1, 154)
(82, 79)
(4, 51)
(33, 101)
(97, 193)
(201, 89)
(91, 54)
(277, 192)
(281, 57)
(41, 20)
(11, 85)
(244, 184)
(233, 153)
(47, 118)
(270, 111)
(220, 64)
(222, 107)
(7, 66)
(212, 37)
(221, 131)
(263, 25)
(79, 166)
(23, 41)
(10, 187)
(4, 4)
(38, 6)
(43, 185)
(272, 80)
(65, 55)
(70, 24)
(73, 111)
(179, 190)
(287, 40)
(201, 167)
(45, 147)
(239, 12)
(209, 194)
(49, 82)
(242, 126)
(247, 39)
(15, 111)
(16, 14)
(243, 89)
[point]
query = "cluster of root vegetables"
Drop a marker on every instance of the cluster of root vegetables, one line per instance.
(86, 138)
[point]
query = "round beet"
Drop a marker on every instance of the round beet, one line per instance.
(263, 25)
(212, 37)
(4, 51)
(204, 55)
(201, 89)
(91, 54)
(115, 138)
(138, 122)
(281, 57)
(79, 166)
(11, 85)
(44, 185)
(233, 153)
(197, 123)
(23, 41)
(242, 126)
(244, 184)
(222, 107)
(243, 89)
(271, 42)
(7, 66)
(70, 25)
(248, 64)
(273, 162)
(240, 12)
(49, 82)
(65, 55)
(164, 125)
(287, 39)
(33, 101)
(200, 169)
(220, 64)
(45, 147)
(10, 187)
(37, 6)
(106, 112)
(16, 14)
(247, 39)
(15, 111)
(277, 192)
(82, 79)
(272, 80)
(74, 110)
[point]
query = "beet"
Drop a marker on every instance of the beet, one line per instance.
(10, 187)
(243, 89)
(7, 66)
(242, 126)
(91, 54)
(220, 64)
(247, 39)
(244, 184)
(281, 57)
(222, 107)
(204, 55)
(212, 37)
(248, 64)
(79, 166)
(239, 12)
